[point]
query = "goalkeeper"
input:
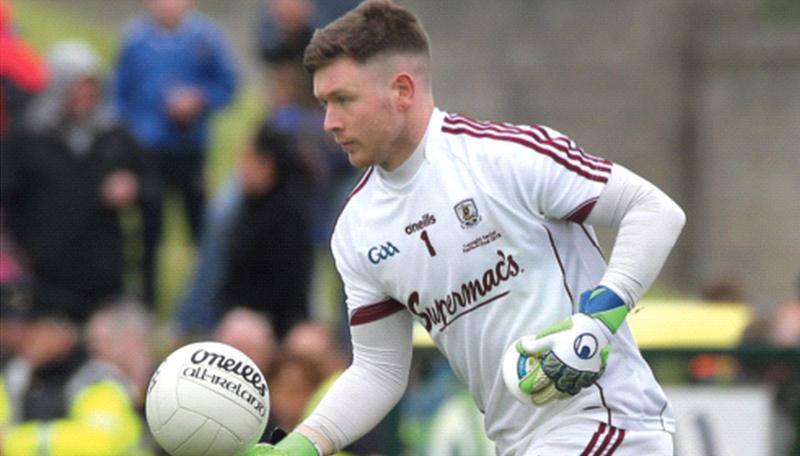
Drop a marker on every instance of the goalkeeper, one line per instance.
(482, 232)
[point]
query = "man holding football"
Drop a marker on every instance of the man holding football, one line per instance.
(482, 232)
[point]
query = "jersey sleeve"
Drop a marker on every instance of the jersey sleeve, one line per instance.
(366, 302)
(371, 386)
(559, 179)
(647, 222)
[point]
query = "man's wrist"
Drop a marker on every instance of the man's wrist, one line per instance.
(604, 305)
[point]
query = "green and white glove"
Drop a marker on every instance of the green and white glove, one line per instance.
(264, 449)
(294, 444)
(567, 357)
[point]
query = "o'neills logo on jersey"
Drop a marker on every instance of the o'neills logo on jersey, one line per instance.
(426, 221)
(466, 298)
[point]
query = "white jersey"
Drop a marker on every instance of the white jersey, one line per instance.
(479, 236)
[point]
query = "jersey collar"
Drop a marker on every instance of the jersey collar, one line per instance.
(404, 173)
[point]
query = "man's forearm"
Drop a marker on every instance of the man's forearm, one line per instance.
(369, 388)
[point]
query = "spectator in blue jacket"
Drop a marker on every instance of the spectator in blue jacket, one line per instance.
(174, 70)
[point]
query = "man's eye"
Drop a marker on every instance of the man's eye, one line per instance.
(342, 100)
(324, 104)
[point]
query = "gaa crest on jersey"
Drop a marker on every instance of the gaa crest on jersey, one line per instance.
(382, 252)
(467, 213)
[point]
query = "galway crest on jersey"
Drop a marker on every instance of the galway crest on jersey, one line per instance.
(467, 213)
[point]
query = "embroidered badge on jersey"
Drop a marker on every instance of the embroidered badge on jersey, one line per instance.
(467, 213)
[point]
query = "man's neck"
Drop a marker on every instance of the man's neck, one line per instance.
(418, 124)
(170, 25)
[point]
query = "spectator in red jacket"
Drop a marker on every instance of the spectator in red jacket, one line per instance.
(22, 72)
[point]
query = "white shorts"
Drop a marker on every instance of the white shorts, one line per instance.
(591, 438)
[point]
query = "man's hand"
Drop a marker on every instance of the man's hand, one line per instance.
(558, 362)
(565, 358)
(185, 104)
(294, 444)
(264, 449)
(120, 189)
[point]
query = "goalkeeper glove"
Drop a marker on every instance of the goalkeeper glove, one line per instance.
(294, 444)
(567, 357)
(264, 449)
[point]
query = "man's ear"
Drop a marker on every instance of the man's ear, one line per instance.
(404, 88)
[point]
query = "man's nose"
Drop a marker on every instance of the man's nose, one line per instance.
(332, 121)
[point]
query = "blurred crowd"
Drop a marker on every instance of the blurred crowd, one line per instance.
(90, 152)
(87, 149)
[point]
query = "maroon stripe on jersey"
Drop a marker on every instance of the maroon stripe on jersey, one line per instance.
(541, 137)
(603, 400)
(361, 183)
(523, 142)
(620, 438)
(571, 152)
(579, 214)
(661, 416)
(605, 441)
(571, 146)
(560, 264)
(600, 430)
(373, 312)
(594, 243)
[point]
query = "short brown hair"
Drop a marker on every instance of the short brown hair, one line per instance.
(372, 28)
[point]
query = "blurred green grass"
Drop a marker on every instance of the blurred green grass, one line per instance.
(42, 23)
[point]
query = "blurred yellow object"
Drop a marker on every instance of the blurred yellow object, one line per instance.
(421, 337)
(671, 323)
(688, 324)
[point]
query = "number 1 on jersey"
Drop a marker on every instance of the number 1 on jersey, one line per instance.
(424, 236)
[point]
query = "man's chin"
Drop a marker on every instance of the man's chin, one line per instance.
(359, 161)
